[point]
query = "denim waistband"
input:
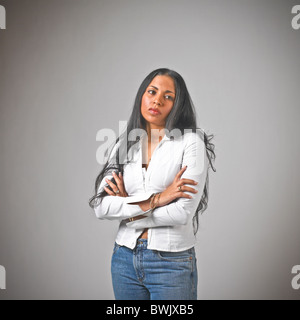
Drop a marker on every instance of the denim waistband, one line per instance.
(142, 243)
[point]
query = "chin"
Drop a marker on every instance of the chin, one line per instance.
(156, 120)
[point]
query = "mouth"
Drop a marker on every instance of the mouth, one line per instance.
(154, 112)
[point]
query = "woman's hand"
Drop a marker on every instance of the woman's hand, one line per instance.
(172, 192)
(120, 186)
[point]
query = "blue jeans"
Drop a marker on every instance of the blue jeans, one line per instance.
(143, 274)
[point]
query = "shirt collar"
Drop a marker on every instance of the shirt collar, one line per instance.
(144, 134)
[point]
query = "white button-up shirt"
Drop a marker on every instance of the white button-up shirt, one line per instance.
(170, 226)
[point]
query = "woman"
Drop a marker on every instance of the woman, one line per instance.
(156, 188)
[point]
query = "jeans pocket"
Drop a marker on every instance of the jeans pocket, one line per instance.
(181, 256)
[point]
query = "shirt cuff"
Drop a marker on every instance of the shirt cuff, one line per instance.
(132, 209)
(139, 197)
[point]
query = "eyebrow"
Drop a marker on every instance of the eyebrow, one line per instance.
(166, 90)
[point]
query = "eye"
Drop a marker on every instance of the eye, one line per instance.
(152, 92)
(169, 97)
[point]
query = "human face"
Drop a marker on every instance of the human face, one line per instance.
(160, 96)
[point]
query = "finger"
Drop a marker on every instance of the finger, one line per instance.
(184, 188)
(188, 181)
(178, 175)
(184, 195)
(119, 182)
(109, 191)
(122, 182)
(189, 189)
(117, 179)
(112, 185)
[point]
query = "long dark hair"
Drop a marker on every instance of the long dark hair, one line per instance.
(182, 116)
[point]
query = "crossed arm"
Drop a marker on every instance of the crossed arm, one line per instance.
(175, 213)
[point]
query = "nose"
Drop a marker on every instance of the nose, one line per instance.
(158, 100)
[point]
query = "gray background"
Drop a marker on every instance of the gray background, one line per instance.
(70, 68)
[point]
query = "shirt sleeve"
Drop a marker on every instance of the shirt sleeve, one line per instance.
(180, 211)
(119, 208)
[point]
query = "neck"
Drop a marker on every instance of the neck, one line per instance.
(155, 133)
